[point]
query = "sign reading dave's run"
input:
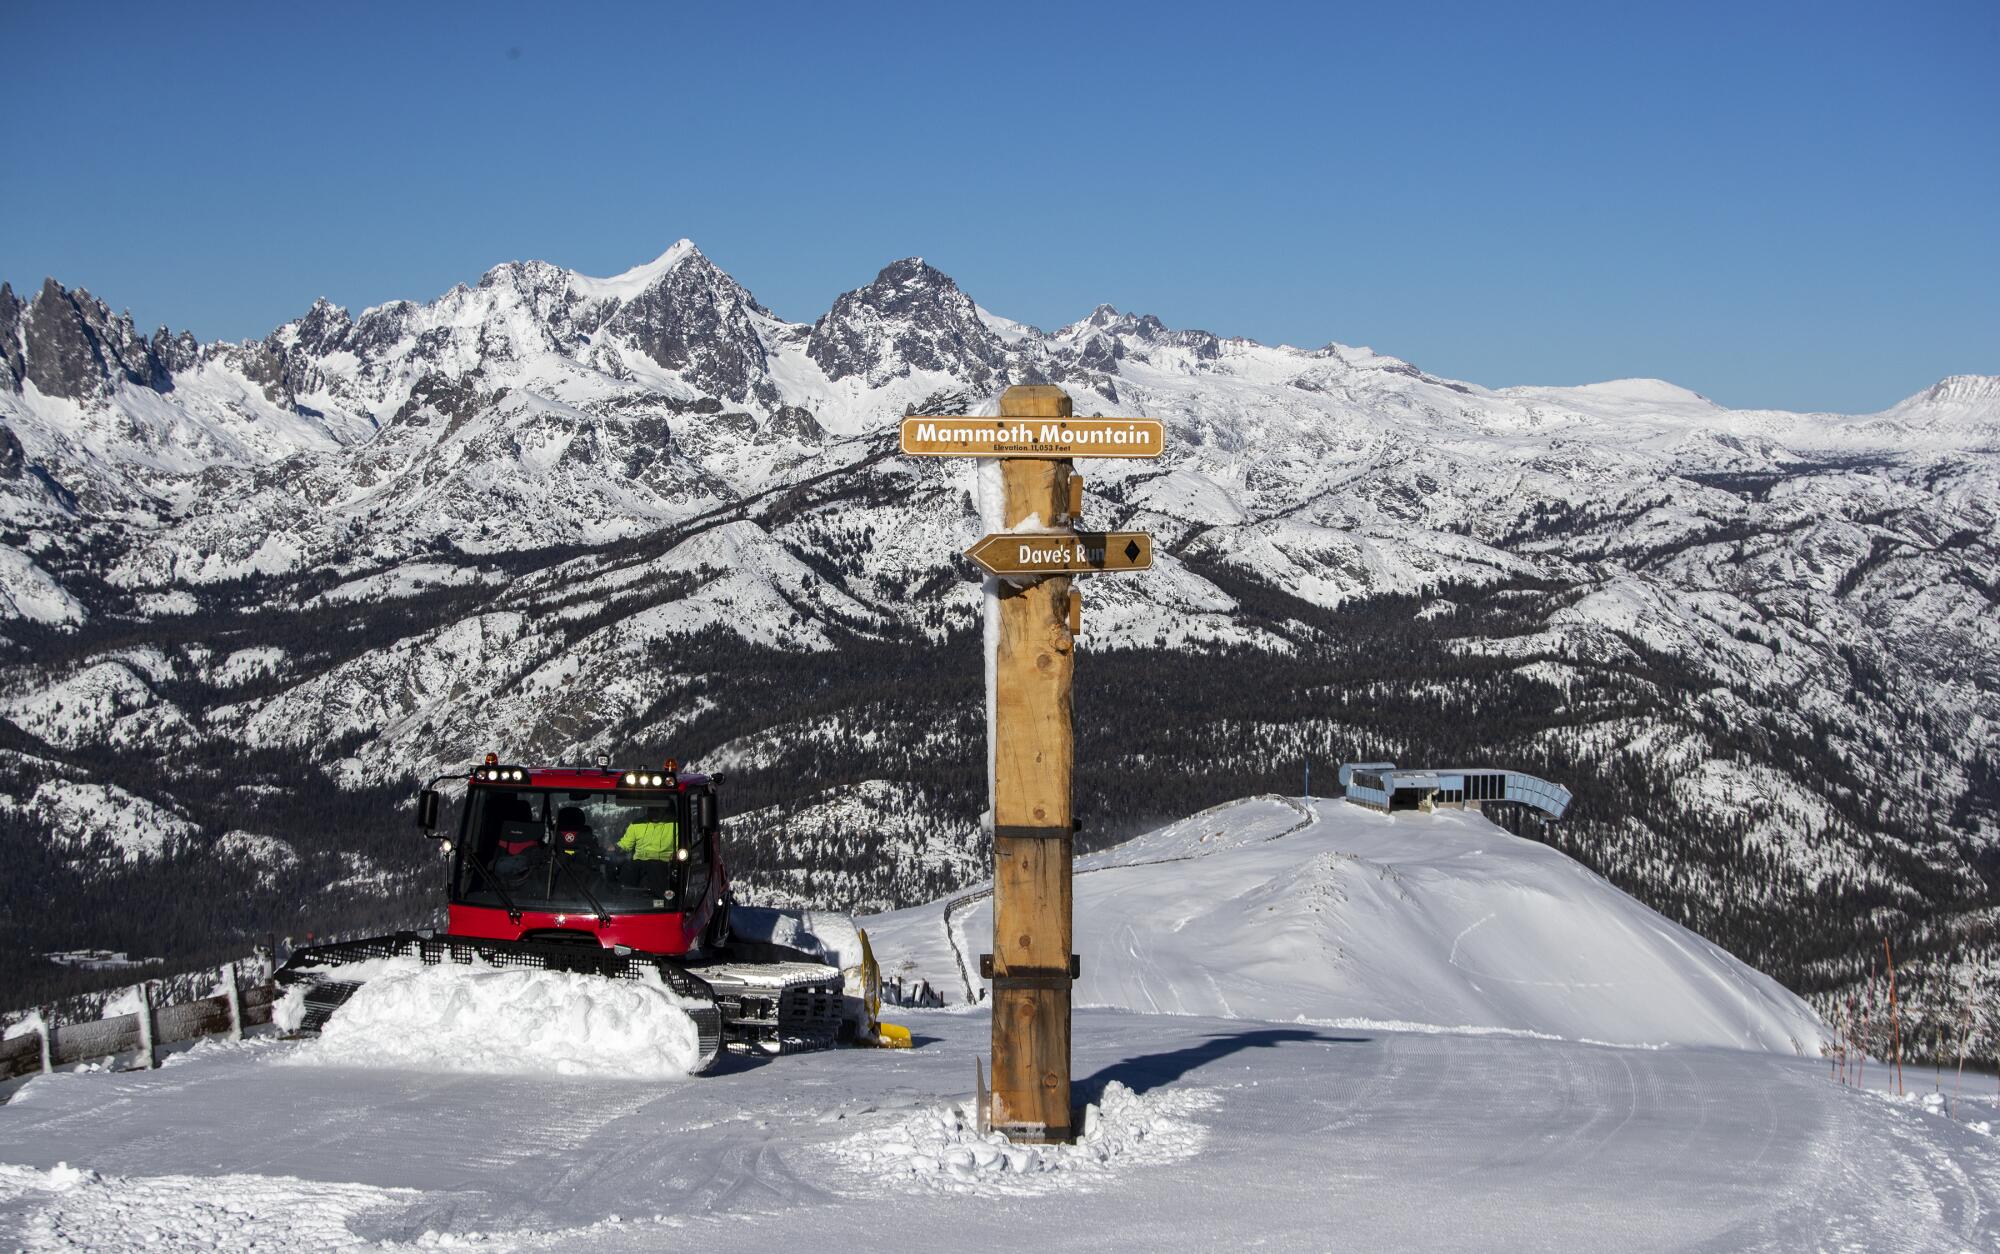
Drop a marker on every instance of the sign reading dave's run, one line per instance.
(1063, 552)
(926, 436)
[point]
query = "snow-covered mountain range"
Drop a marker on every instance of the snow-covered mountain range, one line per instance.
(554, 515)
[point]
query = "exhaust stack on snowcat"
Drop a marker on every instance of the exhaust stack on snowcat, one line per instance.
(615, 873)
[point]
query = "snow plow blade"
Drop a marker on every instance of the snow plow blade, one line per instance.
(777, 1007)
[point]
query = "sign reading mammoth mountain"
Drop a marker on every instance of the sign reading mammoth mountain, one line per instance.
(1033, 437)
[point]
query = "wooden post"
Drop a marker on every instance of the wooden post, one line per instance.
(1033, 616)
(1033, 758)
(1895, 1016)
(147, 1045)
(233, 991)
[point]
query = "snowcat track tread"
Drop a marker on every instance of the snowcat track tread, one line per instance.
(784, 1007)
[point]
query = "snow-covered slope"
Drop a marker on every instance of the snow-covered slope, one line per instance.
(1271, 909)
(1199, 1133)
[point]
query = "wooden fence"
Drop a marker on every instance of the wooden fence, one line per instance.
(46, 1046)
(919, 995)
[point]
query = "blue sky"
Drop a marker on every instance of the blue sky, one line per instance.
(1788, 205)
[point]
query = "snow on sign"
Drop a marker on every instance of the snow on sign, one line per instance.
(932, 436)
(1063, 552)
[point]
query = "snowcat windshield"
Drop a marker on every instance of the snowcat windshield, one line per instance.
(622, 853)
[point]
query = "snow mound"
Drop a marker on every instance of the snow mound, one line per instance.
(74, 1208)
(508, 1021)
(940, 1148)
(1271, 910)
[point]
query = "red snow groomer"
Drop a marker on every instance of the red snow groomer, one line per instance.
(614, 872)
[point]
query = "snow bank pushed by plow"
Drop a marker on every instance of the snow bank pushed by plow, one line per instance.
(510, 1020)
(941, 1147)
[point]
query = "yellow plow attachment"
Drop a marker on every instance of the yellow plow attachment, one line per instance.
(880, 1034)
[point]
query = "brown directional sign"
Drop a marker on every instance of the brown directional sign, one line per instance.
(930, 436)
(1063, 552)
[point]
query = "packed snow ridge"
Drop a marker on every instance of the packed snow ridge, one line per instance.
(1274, 909)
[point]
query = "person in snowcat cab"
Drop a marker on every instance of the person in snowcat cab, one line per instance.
(654, 838)
(573, 833)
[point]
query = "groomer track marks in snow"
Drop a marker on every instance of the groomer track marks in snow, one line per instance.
(1397, 1140)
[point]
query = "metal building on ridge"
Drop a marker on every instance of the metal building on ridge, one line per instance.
(1386, 787)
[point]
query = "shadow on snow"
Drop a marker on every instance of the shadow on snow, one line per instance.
(1151, 1071)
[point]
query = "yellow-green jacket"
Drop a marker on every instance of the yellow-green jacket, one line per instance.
(651, 842)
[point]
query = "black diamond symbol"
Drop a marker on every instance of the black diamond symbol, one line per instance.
(1131, 550)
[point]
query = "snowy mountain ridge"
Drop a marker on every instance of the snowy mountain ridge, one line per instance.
(680, 323)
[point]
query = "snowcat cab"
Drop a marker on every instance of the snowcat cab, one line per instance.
(606, 871)
(552, 855)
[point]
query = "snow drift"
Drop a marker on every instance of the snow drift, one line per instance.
(1269, 909)
(493, 1020)
(942, 1148)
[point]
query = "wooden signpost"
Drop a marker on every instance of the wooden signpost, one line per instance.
(1031, 966)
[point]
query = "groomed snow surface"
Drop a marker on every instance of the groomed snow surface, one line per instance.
(1362, 1033)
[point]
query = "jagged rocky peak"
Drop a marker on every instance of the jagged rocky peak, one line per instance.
(912, 317)
(13, 366)
(380, 328)
(687, 314)
(556, 300)
(1108, 318)
(526, 276)
(70, 345)
(286, 362)
(324, 329)
(1103, 333)
(175, 350)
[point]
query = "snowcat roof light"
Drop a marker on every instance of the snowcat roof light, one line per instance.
(492, 759)
(672, 766)
(500, 774)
